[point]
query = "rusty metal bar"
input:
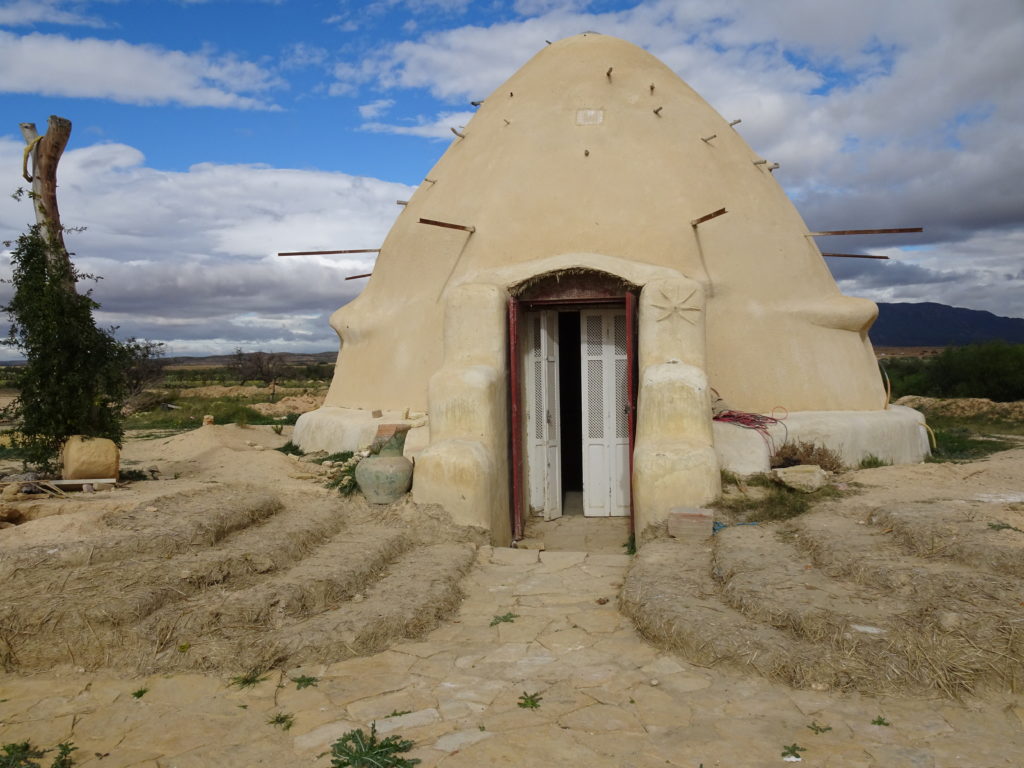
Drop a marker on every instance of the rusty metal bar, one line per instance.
(327, 253)
(434, 223)
(854, 256)
(356, 277)
(708, 217)
(866, 231)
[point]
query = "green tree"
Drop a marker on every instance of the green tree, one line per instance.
(74, 381)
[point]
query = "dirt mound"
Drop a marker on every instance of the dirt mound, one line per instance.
(217, 390)
(287, 405)
(965, 407)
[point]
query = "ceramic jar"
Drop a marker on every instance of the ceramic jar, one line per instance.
(386, 475)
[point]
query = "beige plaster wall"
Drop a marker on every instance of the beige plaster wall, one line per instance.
(465, 467)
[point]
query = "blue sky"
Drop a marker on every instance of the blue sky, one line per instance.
(210, 134)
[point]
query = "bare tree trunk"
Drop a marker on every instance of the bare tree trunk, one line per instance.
(44, 153)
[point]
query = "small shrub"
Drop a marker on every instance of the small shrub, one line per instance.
(729, 478)
(791, 454)
(356, 749)
(872, 462)
(282, 720)
(880, 720)
(793, 750)
(304, 681)
(249, 680)
(530, 700)
(779, 503)
(277, 428)
(337, 458)
(24, 755)
(961, 444)
(140, 693)
(291, 448)
(506, 617)
(344, 478)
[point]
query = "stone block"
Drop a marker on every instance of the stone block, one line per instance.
(803, 477)
(690, 522)
(90, 458)
(505, 556)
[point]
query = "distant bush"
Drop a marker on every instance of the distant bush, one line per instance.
(994, 370)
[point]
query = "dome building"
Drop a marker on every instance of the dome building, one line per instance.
(594, 256)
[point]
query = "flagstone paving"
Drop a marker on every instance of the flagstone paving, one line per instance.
(606, 698)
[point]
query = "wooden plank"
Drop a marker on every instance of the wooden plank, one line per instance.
(854, 256)
(73, 483)
(707, 217)
(327, 253)
(448, 225)
(897, 231)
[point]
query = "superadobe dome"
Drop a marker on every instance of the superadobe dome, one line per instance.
(594, 181)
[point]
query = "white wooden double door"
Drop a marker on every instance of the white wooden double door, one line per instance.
(604, 403)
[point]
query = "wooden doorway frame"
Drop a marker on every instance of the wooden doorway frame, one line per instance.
(572, 301)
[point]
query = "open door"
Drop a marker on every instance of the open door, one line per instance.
(543, 450)
(606, 403)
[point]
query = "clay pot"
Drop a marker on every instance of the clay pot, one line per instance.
(386, 475)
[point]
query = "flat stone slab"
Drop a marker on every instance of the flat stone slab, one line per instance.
(506, 556)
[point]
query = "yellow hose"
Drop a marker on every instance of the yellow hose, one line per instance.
(931, 435)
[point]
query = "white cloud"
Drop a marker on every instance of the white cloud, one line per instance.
(302, 55)
(54, 65)
(21, 13)
(191, 256)
(438, 128)
(880, 114)
(375, 108)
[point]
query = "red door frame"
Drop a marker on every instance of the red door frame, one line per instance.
(515, 312)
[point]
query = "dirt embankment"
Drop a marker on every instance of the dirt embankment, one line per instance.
(965, 407)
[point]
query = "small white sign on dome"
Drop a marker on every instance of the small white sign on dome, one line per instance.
(589, 116)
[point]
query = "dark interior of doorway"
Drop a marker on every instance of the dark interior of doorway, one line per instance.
(570, 407)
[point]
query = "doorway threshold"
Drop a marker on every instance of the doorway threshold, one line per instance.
(576, 533)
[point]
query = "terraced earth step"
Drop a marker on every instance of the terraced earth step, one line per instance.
(418, 591)
(338, 570)
(669, 594)
(165, 526)
(118, 592)
(917, 642)
(87, 607)
(847, 547)
(959, 533)
(768, 580)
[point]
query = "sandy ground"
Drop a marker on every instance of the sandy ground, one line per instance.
(609, 698)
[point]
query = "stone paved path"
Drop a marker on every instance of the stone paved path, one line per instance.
(607, 698)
